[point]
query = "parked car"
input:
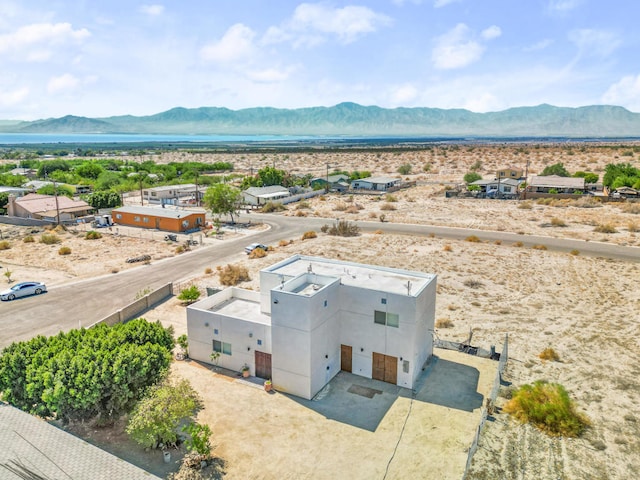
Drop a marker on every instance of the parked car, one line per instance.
(250, 248)
(23, 289)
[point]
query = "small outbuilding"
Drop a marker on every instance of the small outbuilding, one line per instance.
(381, 184)
(168, 220)
(261, 195)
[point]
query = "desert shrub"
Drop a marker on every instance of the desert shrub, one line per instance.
(631, 207)
(472, 238)
(575, 252)
(340, 207)
(233, 274)
(387, 207)
(308, 235)
(586, 202)
(549, 354)
(352, 209)
(405, 169)
(473, 283)
(208, 271)
(548, 407)
(539, 247)
(324, 228)
(390, 198)
(633, 227)
(605, 228)
(518, 244)
(64, 251)
(372, 215)
(444, 323)
(497, 242)
(271, 207)
(378, 232)
(28, 239)
(283, 243)
(189, 295)
(258, 253)
(49, 239)
(300, 213)
(526, 205)
(447, 248)
(302, 205)
(558, 222)
(344, 228)
(92, 235)
(180, 249)
(5, 245)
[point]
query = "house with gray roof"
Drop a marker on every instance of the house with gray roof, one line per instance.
(262, 195)
(555, 184)
(381, 184)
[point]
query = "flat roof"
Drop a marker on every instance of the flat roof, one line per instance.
(157, 211)
(242, 309)
(181, 186)
(392, 280)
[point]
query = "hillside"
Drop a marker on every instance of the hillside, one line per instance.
(351, 119)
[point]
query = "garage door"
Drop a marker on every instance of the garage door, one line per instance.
(385, 368)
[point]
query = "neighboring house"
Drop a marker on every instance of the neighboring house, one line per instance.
(262, 195)
(625, 192)
(17, 191)
(187, 194)
(165, 219)
(337, 183)
(31, 448)
(30, 173)
(509, 172)
(375, 183)
(508, 186)
(47, 207)
(34, 185)
(79, 189)
(547, 183)
(314, 317)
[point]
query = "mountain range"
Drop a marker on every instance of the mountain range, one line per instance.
(351, 119)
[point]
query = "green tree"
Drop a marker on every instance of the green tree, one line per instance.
(190, 294)
(47, 168)
(156, 417)
(471, 177)
(613, 171)
(555, 169)
(57, 190)
(199, 438)
(108, 180)
(588, 176)
(271, 176)
(89, 170)
(104, 199)
(405, 169)
(223, 199)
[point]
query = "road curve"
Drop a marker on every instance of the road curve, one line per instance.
(85, 302)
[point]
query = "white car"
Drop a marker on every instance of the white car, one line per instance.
(250, 248)
(23, 289)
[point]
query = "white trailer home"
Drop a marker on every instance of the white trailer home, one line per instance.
(314, 317)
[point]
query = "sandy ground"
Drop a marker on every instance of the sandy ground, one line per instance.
(584, 308)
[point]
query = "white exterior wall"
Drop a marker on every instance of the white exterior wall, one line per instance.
(425, 324)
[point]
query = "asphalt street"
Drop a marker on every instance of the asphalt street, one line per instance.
(84, 302)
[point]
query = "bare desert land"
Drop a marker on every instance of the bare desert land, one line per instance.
(585, 308)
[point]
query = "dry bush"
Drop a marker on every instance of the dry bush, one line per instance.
(605, 228)
(49, 239)
(64, 251)
(308, 235)
(586, 202)
(300, 213)
(473, 283)
(28, 239)
(498, 242)
(340, 207)
(473, 239)
(373, 215)
(180, 249)
(518, 244)
(233, 274)
(378, 232)
(452, 307)
(539, 247)
(271, 207)
(352, 209)
(447, 248)
(257, 253)
(387, 207)
(633, 226)
(558, 222)
(390, 198)
(444, 323)
(575, 252)
(5, 245)
(283, 243)
(303, 205)
(526, 205)
(92, 235)
(208, 271)
(631, 207)
(549, 354)
(342, 229)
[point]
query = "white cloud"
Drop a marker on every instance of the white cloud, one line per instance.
(442, 3)
(14, 97)
(40, 35)
(311, 24)
(492, 32)
(541, 45)
(485, 102)
(402, 2)
(592, 41)
(236, 44)
(402, 95)
(61, 83)
(625, 92)
(563, 6)
(152, 10)
(270, 75)
(456, 49)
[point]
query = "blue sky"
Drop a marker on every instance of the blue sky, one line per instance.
(94, 58)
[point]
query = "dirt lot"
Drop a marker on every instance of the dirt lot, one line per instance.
(584, 308)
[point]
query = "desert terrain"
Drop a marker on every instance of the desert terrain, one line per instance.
(585, 308)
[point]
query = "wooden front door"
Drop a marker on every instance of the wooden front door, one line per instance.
(385, 368)
(263, 365)
(345, 358)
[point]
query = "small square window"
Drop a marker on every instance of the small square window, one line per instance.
(325, 303)
(259, 342)
(380, 317)
(226, 348)
(217, 346)
(215, 331)
(383, 301)
(136, 219)
(393, 320)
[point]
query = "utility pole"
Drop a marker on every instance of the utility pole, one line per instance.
(141, 197)
(55, 195)
(526, 179)
(197, 194)
(326, 188)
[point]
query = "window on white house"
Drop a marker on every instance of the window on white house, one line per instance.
(380, 317)
(388, 319)
(393, 320)
(222, 347)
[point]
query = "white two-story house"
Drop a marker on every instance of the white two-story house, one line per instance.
(314, 317)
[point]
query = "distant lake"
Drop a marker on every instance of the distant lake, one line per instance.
(54, 138)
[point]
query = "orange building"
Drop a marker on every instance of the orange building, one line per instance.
(165, 219)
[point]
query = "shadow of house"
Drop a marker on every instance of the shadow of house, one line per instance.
(363, 403)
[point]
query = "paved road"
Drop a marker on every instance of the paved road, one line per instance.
(84, 302)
